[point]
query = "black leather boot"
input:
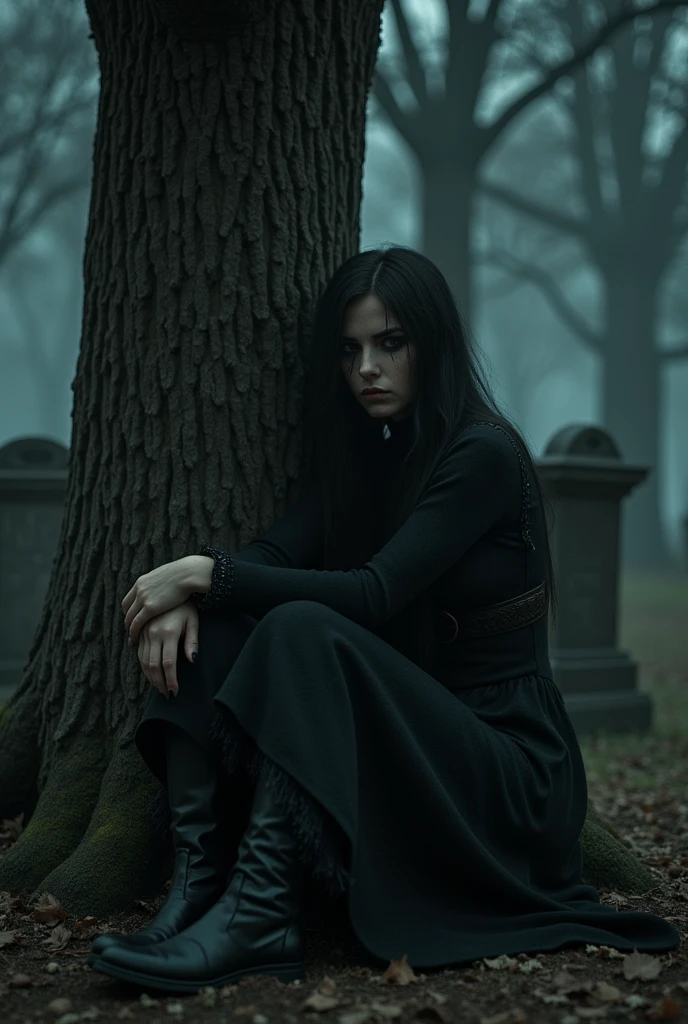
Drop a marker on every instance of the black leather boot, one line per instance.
(201, 863)
(254, 928)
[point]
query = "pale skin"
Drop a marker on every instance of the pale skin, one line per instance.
(373, 353)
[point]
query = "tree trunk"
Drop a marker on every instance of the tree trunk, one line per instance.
(446, 218)
(226, 189)
(631, 405)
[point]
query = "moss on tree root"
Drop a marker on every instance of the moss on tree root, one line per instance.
(61, 817)
(607, 863)
(119, 858)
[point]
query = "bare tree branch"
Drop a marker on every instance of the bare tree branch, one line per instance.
(545, 214)
(48, 87)
(402, 121)
(469, 45)
(586, 114)
(580, 55)
(414, 67)
(546, 283)
(47, 200)
(674, 180)
(674, 353)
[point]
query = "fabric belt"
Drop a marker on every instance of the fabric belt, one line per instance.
(497, 618)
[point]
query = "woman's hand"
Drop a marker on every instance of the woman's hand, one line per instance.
(156, 592)
(159, 646)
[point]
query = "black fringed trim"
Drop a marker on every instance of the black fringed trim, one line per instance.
(160, 814)
(318, 837)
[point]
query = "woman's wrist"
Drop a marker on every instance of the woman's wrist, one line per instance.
(198, 573)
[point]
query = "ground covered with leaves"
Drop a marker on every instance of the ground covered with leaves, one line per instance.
(639, 783)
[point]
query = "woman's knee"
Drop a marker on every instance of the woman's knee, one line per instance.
(297, 612)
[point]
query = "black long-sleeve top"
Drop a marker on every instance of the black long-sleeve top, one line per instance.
(461, 548)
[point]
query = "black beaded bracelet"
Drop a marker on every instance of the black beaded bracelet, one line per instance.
(221, 581)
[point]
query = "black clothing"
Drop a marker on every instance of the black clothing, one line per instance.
(201, 863)
(448, 805)
(254, 926)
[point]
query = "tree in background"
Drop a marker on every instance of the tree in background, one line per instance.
(625, 137)
(48, 97)
(452, 138)
(226, 190)
(48, 88)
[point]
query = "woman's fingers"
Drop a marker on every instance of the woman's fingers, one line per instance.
(170, 650)
(155, 666)
(141, 645)
(145, 663)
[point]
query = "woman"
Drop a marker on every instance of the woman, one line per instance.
(374, 671)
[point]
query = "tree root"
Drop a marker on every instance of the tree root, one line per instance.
(19, 755)
(61, 816)
(120, 858)
(607, 863)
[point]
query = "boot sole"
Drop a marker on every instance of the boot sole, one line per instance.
(285, 972)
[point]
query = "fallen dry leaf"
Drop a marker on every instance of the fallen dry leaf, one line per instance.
(59, 1006)
(9, 939)
(389, 1011)
(319, 1002)
(666, 1009)
(498, 1018)
(47, 910)
(607, 993)
(566, 983)
(642, 966)
(635, 1001)
(501, 963)
(551, 998)
(399, 972)
(85, 922)
(356, 1016)
(532, 964)
(605, 952)
(58, 939)
(19, 981)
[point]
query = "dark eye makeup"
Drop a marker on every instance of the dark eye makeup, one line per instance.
(392, 342)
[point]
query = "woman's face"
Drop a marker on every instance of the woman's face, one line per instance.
(373, 355)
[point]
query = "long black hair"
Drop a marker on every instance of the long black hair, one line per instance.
(451, 392)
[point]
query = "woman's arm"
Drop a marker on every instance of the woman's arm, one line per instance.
(294, 541)
(476, 486)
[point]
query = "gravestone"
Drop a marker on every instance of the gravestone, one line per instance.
(33, 479)
(586, 479)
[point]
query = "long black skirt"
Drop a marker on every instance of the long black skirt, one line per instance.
(447, 822)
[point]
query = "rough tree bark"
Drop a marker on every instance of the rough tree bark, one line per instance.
(226, 189)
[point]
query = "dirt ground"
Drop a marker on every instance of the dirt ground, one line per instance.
(638, 783)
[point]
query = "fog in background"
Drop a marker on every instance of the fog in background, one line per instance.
(534, 297)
